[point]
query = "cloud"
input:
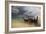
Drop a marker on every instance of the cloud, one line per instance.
(32, 11)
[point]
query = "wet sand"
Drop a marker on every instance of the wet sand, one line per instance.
(21, 23)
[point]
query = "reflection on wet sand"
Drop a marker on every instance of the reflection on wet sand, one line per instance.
(22, 23)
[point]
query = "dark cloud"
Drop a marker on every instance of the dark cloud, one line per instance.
(25, 11)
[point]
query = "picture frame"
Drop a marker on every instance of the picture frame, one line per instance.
(8, 5)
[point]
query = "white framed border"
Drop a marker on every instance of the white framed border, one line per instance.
(25, 28)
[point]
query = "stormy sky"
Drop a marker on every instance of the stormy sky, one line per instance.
(24, 11)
